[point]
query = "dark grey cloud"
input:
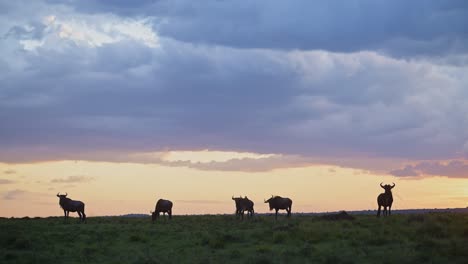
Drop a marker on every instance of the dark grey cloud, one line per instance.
(34, 30)
(401, 28)
(215, 81)
(183, 96)
(121, 7)
(72, 179)
(452, 169)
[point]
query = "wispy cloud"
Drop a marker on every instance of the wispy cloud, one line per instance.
(18, 194)
(452, 169)
(9, 172)
(73, 179)
(14, 194)
(6, 181)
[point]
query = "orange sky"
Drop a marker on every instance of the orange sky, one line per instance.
(113, 188)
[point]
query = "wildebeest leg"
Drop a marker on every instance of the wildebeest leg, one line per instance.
(385, 211)
(79, 214)
(276, 214)
(170, 214)
(378, 211)
(389, 209)
(65, 215)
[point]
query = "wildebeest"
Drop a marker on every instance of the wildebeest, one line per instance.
(385, 199)
(164, 206)
(278, 202)
(242, 205)
(68, 205)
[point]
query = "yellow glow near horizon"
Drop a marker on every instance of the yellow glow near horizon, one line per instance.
(119, 188)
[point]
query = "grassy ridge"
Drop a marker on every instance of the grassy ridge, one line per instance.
(434, 238)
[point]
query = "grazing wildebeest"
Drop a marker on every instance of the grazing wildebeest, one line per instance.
(68, 205)
(242, 205)
(278, 202)
(385, 199)
(164, 206)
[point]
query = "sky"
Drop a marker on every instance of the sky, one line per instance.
(120, 103)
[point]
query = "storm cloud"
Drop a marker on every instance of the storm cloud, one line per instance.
(398, 27)
(312, 79)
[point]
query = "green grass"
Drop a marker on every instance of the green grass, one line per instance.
(428, 238)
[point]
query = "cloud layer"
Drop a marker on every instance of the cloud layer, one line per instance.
(398, 27)
(356, 79)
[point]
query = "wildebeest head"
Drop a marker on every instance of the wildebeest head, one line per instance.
(270, 201)
(62, 197)
(153, 216)
(237, 200)
(387, 187)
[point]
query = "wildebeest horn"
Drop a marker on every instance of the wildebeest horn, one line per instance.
(58, 194)
(233, 197)
(381, 184)
(393, 184)
(66, 194)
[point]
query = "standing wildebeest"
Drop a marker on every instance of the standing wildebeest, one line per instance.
(278, 202)
(385, 199)
(68, 205)
(242, 205)
(164, 206)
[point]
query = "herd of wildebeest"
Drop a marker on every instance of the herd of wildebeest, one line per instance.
(243, 204)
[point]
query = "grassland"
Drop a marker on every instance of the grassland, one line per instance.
(428, 238)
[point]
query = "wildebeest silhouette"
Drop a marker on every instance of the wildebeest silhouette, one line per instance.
(385, 199)
(278, 202)
(164, 206)
(68, 205)
(242, 205)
